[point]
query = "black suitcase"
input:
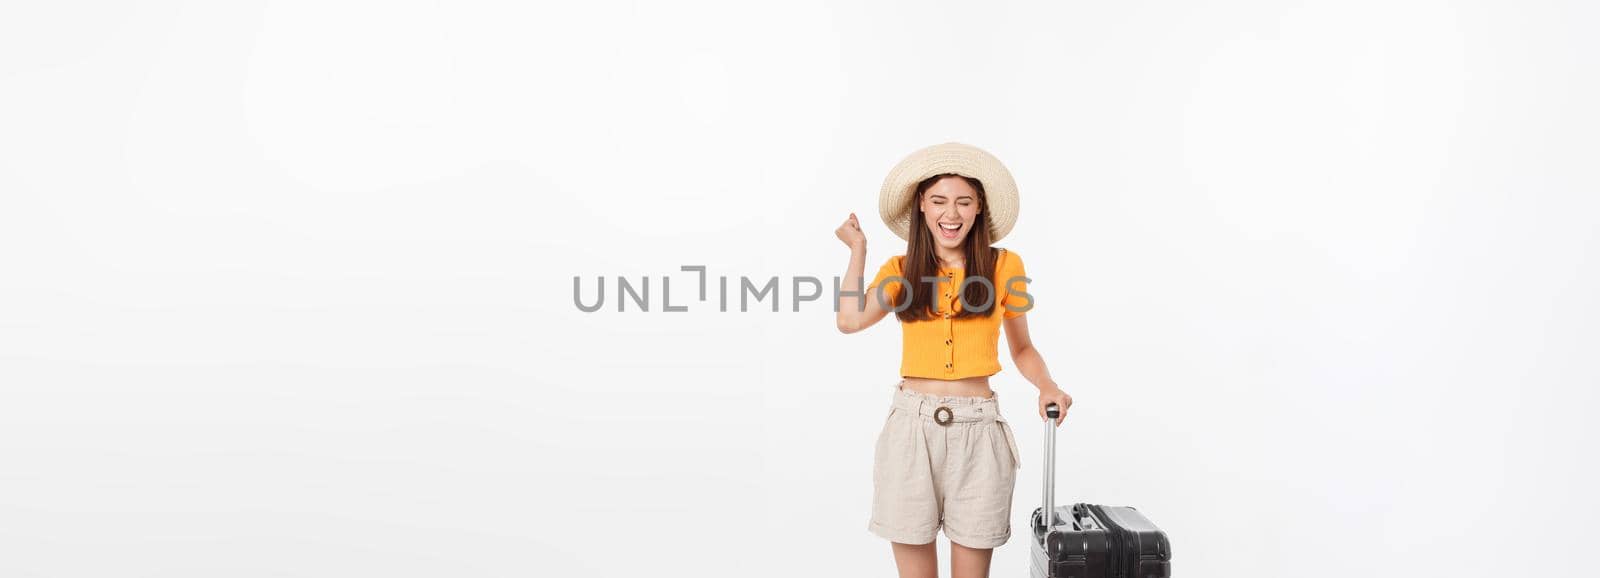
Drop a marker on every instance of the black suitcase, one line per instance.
(1089, 540)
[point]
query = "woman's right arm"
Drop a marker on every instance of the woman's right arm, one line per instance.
(856, 311)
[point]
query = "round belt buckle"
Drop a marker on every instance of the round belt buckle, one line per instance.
(948, 416)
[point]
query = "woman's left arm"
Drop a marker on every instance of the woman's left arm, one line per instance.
(1031, 365)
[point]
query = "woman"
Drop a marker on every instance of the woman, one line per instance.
(945, 457)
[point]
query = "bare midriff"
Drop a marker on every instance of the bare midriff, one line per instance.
(964, 387)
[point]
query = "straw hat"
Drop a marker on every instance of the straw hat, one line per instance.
(896, 200)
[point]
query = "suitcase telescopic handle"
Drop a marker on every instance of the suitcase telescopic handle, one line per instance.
(1047, 516)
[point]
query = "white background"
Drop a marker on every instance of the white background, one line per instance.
(286, 288)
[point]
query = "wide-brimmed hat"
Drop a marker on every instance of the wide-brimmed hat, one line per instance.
(896, 200)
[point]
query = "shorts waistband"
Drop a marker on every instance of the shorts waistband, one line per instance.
(962, 409)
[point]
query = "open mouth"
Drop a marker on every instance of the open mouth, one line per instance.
(949, 230)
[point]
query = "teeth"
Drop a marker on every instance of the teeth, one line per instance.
(949, 227)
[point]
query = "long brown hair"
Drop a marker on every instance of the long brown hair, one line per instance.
(921, 261)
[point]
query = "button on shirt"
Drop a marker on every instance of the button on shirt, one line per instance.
(948, 348)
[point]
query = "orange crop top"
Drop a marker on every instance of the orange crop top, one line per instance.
(950, 348)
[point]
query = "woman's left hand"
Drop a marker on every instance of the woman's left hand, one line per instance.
(1054, 395)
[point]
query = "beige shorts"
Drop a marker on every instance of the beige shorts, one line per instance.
(956, 469)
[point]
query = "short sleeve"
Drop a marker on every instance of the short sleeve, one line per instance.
(890, 269)
(1013, 278)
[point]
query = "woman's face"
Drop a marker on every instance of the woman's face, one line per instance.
(950, 209)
